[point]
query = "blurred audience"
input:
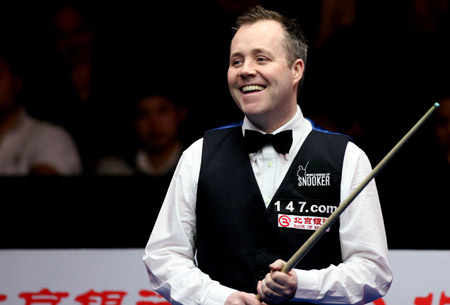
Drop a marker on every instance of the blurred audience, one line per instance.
(375, 66)
(29, 146)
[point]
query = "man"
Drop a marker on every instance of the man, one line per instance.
(235, 213)
(157, 121)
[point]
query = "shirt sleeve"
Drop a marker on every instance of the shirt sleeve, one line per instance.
(170, 253)
(365, 273)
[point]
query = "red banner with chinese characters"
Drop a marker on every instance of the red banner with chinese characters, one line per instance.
(118, 277)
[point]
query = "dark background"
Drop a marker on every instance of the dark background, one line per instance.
(371, 77)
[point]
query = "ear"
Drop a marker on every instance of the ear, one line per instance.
(297, 70)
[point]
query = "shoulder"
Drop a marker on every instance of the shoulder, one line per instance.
(228, 127)
(191, 156)
(228, 135)
(356, 161)
(224, 130)
(355, 152)
(194, 148)
(327, 143)
(325, 133)
(352, 149)
(46, 130)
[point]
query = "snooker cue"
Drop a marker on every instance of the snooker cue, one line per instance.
(314, 238)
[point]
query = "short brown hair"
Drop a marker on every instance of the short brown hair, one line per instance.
(295, 41)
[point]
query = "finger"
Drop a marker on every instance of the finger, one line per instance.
(271, 284)
(281, 278)
(263, 290)
(283, 285)
(269, 297)
(267, 294)
(272, 298)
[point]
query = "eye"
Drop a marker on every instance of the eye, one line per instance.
(261, 59)
(235, 62)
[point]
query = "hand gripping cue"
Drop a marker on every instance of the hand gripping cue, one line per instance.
(314, 238)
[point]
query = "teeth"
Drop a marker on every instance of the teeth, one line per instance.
(252, 88)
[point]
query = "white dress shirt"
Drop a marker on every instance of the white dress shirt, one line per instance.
(34, 142)
(363, 276)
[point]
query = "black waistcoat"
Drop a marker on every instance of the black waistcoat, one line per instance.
(237, 237)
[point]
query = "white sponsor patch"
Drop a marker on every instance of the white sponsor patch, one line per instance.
(300, 222)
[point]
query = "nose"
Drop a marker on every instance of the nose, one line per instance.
(247, 70)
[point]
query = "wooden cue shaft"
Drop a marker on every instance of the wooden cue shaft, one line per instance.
(312, 240)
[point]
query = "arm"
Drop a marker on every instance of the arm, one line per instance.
(365, 273)
(170, 253)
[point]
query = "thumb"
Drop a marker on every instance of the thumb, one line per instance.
(277, 265)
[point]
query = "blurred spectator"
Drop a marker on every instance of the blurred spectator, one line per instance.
(157, 120)
(29, 146)
(335, 15)
(71, 69)
(77, 108)
(74, 41)
(428, 16)
(157, 125)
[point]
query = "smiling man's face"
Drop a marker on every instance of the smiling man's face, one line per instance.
(260, 79)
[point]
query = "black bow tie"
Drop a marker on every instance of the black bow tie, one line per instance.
(281, 141)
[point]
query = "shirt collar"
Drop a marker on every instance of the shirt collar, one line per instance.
(297, 124)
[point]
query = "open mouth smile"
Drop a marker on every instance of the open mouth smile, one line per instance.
(251, 88)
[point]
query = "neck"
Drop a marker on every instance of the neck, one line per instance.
(269, 124)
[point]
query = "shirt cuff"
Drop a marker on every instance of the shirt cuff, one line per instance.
(308, 285)
(218, 295)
